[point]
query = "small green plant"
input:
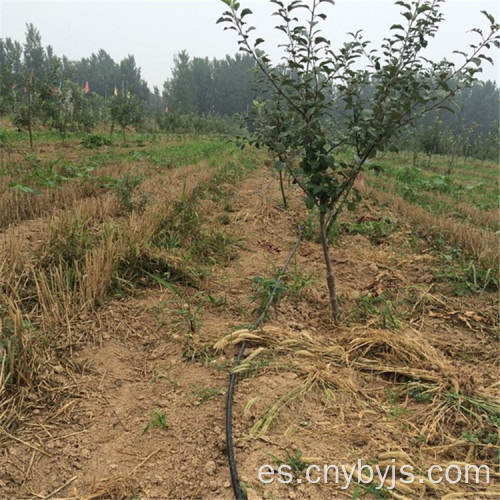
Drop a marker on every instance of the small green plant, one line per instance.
(333, 232)
(297, 280)
(48, 176)
(295, 461)
(94, 141)
(69, 242)
(158, 420)
(421, 393)
(372, 489)
(368, 306)
(475, 406)
(265, 287)
(248, 368)
(310, 227)
(124, 187)
(159, 375)
(212, 246)
(4, 140)
(187, 307)
(467, 276)
(393, 397)
(376, 230)
(481, 436)
(224, 219)
(204, 394)
(280, 284)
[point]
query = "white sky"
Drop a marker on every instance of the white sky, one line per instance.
(155, 30)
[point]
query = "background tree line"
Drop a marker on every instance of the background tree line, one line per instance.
(36, 86)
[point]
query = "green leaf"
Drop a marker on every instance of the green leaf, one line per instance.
(24, 188)
(490, 18)
(309, 203)
(166, 284)
(405, 5)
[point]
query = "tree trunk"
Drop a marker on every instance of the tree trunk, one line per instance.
(30, 133)
(30, 113)
(285, 205)
(415, 156)
(330, 277)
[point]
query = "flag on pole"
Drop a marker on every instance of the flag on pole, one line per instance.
(86, 88)
(116, 91)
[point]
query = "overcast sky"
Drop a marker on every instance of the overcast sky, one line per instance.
(155, 30)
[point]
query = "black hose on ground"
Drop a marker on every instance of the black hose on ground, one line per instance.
(238, 492)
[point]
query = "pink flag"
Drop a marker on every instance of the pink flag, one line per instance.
(86, 88)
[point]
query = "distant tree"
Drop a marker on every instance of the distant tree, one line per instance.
(431, 139)
(27, 105)
(461, 140)
(222, 86)
(101, 71)
(233, 84)
(125, 111)
(34, 53)
(131, 79)
(180, 91)
(10, 73)
(202, 77)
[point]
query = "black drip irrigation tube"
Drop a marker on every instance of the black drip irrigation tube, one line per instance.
(238, 492)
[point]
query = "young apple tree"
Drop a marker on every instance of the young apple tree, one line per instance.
(125, 110)
(354, 98)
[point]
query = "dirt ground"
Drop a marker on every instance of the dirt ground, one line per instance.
(130, 367)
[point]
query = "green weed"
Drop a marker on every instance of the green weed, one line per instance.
(466, 275)
(368, 306)
(160, 375)
(95, 141)
(187, 311)
(310, 227)
(265, 288)
(158, 420)
(376, 230)
(421, 393)
(393, 397)
(294, 461)
(204, 394)
(370, 489)
(280, 284)
(124, 187)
